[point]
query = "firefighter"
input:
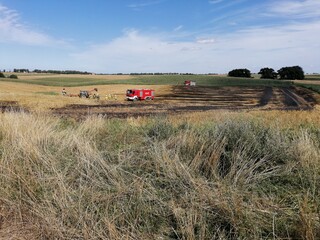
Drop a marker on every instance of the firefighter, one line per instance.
(95, 93)
(64, 92)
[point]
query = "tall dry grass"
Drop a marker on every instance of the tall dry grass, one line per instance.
(236, 177)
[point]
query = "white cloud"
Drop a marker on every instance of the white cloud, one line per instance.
(12, 30)
(215, 1)
(178, 28)
(206, 40)
(138, 6)
(299, 9)
(252, 48)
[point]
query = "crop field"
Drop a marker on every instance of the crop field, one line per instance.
(225, 159)
(56, 80)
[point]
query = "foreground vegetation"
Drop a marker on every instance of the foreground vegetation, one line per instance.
(230, 176)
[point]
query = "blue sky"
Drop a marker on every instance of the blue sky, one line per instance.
(198, 36)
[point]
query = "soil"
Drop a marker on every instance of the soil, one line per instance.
(183, 99)
(9, 106)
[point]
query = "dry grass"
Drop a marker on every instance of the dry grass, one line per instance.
(232, 176)
(280, 119)
(40, 98)
(317, 82)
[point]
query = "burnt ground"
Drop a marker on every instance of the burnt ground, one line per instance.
(9, 106)
(184, 99)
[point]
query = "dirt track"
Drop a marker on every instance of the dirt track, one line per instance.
(188, 99)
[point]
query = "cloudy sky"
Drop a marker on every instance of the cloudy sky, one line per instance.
(198, 36)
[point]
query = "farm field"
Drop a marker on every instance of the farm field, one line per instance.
(43, 93)
(224, 159)
(181, 99)
(74, 80)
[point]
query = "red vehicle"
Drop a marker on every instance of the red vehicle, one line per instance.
(189, 83)
(140, 94)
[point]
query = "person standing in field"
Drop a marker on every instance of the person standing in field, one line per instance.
(95, 93)
(64, 92)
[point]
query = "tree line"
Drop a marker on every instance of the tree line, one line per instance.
(284, 73)
(25, 70)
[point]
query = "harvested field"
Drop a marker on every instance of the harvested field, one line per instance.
(189, 99)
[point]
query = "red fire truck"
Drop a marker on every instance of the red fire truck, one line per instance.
(140, 94)
(189, 83)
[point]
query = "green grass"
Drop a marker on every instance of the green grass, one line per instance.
(48, 93)
(60, 81)
(313, 87)
(204, 80)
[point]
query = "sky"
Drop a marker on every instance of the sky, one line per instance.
(185, 36)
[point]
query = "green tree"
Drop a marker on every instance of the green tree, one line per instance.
(242, 72)
(2, 75)
(291, 73)
(13, 76)
(268, 73)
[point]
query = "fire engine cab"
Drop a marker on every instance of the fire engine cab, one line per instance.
(140, 94)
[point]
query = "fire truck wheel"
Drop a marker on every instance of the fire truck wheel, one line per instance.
(135, 99)
(148, 98)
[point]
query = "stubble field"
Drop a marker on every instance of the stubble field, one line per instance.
(42, 92)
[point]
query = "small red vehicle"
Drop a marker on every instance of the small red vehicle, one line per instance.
(140, 94)
(189, 83)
